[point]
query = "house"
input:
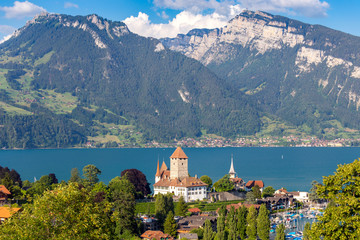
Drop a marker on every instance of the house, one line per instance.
(6, 212)
(300, 196)
(250, 184)
(189, 236)
(239, 183)
(177, 180)
(238, 205)
(185, 225)
(194, 211)
(279, 201)
(149, 223)
(4, 195)
(158, 235)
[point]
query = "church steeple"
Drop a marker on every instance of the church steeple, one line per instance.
(232, 172)
(158, 174)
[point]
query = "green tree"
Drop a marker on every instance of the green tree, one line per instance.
(251, 223)
(123, 197)
(163, 205)
(181, 207)
(208, 231)
(250, 197)
(263, 223)
(75, 175)
(313, 195)
(221, 234)
(224, 184)
(257, 192)
(341, 219)
(170, 226)
(206, 179)
(6, 181)
(241, 221)
(280, 232)
(61, 214)
(268, 192)
(231, 224)
(306, 232)
(91, 173)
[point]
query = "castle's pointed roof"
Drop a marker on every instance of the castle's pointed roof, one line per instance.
(178, 153)
(232, 170)
(157, 170)
(163, 167)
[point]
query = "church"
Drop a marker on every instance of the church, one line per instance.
(177, 180)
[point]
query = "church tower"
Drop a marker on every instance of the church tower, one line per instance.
(157, 175)
(178, 164)
(232, 172)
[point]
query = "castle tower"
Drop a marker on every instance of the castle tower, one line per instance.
(178, 164)
(232, 172)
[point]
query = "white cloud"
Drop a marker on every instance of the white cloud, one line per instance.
(22, 10)
(5, 38)
(182, 23)
(309, 8)
(70, 5)
(6, 29)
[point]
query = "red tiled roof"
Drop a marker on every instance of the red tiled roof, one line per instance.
(237, 205)
(6, 212)
(163, 167)
(4, 190)
(158, 235)
(236, 180)
(176, 182)
(252, 183)
(194, 210)
(178, 153)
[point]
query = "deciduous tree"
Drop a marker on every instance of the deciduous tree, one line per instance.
(206, 179)
(341, 219)
(280, 232)
(268, 192)
(138, 179)
(75, 176)
(91, 173)
(224, 184)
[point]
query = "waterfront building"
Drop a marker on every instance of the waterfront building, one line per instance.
(176, 180)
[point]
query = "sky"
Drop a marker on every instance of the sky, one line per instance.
(167, 18)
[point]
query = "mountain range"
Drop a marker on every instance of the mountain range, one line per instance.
(65, 80)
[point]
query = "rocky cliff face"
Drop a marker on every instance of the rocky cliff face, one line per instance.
(283, 63)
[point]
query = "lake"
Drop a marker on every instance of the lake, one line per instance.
(292, 168)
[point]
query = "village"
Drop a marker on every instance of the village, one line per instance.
(289, 208)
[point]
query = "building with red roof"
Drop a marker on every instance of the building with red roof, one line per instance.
(4, 195)
(176, 180)
(158, 235)
(250, 184)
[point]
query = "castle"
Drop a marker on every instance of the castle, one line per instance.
(177, 180)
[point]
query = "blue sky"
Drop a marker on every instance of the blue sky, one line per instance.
(162, 18)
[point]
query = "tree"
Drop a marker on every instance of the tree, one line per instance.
(138, 179)
(241, 214)
(163, 205)
(208, 231)
(280, 232)
(313, 196)
(268, 192)
(91, 173)
(170, 226)
(61, 214)
(341, 219)
(231, 224)
(181, 207)
(53, 179)
(251, 223)
(206, 179)
(250, 197)
(221, 234)
(6, 181)
(306, 233)
(123, 197)
(257, 192)
(263, 223)
(75, 176)
(224, 184)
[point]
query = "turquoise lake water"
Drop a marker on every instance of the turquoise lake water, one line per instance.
(292, 168)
